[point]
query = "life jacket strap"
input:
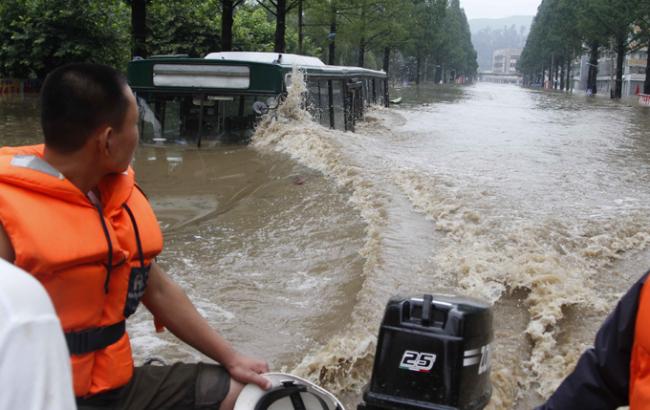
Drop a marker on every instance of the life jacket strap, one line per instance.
(90, 340)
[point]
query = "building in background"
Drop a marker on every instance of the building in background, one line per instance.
(504, 61)
(504, 67)
(633, 73)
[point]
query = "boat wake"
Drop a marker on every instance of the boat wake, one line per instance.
(428, 229)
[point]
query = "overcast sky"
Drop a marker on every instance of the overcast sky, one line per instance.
(499, 8)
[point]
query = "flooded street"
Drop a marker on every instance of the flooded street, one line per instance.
(537, 202)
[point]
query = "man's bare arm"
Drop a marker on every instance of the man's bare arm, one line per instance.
(171, 306)
(6, 249)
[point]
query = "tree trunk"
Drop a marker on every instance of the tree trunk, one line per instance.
(646, 84)
(556, 75)
(592, 81)
(332, 35)
(227, 10)
(139, 27)
(280, 26)
(561, 76)
(418, 61)
(544, 75)
(386, 67)
(362, 39)
(620, 57)
(386, 64)
(300, 25)
(425, 70)
(438, 73)
(362, 51)
(569, 69)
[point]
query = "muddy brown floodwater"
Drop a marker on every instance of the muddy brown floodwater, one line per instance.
(291, 246)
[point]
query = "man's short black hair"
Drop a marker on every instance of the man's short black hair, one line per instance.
(78, 98)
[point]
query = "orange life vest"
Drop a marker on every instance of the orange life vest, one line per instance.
(640, 361)
(92, 259)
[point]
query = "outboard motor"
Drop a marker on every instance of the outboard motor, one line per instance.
(433, 353)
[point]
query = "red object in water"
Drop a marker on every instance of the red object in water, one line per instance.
(299, 180)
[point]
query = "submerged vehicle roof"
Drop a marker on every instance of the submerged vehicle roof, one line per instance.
(266, 57)
(312, 65)
(239, 72)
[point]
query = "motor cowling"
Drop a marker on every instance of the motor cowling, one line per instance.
(433, 353)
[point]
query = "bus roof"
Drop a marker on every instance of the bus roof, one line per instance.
(268, 58)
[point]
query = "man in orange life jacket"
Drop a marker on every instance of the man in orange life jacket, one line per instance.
(615, 372)
(72, 216)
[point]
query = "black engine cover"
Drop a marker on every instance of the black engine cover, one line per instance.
(432, 353)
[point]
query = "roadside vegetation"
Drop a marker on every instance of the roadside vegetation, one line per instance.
(413, 40)
(565, 29)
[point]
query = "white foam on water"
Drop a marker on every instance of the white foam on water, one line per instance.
(555, 262)
(342, 364)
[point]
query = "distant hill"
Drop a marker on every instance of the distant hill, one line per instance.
(476, 25)
(493, 34)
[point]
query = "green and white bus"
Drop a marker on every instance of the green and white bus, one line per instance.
(219, 98)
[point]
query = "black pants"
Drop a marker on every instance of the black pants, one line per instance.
(181, 386)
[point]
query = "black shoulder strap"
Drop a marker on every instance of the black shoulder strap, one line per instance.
(291, 390)
(141, 191)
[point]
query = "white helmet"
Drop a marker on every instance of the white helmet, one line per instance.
(287, 392)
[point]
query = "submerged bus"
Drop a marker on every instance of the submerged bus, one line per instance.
(219, 98)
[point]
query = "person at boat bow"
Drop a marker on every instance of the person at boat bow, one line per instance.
(72, 215)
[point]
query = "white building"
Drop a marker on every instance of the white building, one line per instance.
(633, 73)
(504, 61)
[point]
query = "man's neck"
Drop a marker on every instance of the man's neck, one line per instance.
(78, 167)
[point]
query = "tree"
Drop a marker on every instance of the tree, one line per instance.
(643, 24)
(15, 30)
(253, 31)
(183, 27)
(322, 22)
(138, 26)
(461, 56)
(427, 35)
(40, 35)
(559, 31)
(617, 17)
(280, 9)
(594, 36)
(227, 17)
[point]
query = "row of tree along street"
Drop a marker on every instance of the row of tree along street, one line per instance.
(565, 29)
(418, 39)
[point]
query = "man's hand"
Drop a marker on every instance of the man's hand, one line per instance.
(247, 369)
(169, 303)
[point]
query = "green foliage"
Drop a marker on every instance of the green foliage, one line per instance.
(183, 27)
(561, 27)
(422, 33)
(253, 30)
(37, 36)
(461, 56)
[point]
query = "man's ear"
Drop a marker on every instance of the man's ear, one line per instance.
(105, 141)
